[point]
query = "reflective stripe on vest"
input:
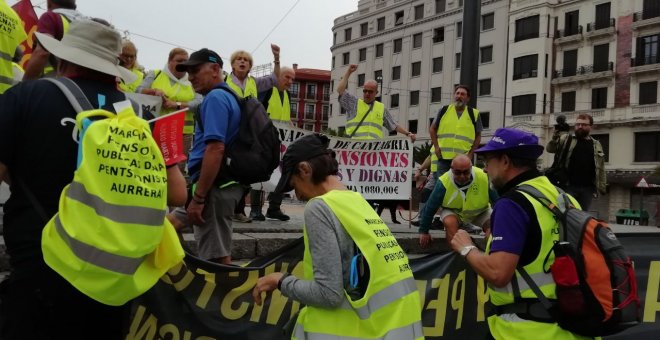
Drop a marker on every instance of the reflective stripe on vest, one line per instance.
(278, 110)
(13, 35)
(390, 308)
(250, 89)
(549, 234)
(372, 126)
(178, 93)
(467, 205)
(455, 135)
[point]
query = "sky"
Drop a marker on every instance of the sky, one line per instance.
(304, 35)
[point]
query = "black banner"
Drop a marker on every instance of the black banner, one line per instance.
(202, 300)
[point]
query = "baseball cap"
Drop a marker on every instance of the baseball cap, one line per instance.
(513, 142)
(199, 57)
(302, 149)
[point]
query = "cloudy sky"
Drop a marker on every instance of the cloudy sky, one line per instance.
(157, 26)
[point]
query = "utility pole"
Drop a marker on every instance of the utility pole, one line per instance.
(470, 48)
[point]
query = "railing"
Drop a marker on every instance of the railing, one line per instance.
(326, 97)
(645, 60)
(568, 32)
(310, 115)
(310, 95)
(293, 94)
(648, 14)
(649, 108)
(600, 24)
(585, 69)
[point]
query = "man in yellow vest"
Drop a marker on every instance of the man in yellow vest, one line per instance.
(365, 118)
(339, 223)
(128, 59)
(11, 35)
(55, 23)
(523, 232)
(176, 91)
(278, 107)
(464, 194)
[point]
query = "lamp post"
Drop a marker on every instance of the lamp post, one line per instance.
(379, 79)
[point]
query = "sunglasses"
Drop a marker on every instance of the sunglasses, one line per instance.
(461, 172)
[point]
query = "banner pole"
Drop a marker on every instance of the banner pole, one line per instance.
(167, 115)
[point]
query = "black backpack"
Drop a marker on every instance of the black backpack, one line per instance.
(255, 152)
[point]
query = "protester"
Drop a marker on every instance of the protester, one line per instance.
(464, 194)
(128, 59)
(245, 85)
(214, 196)
(523, 234)
(339, 224)
(365, 118)
(37, 302)
(584, 161)
(54, 23)
(11, 37)
(277, 105)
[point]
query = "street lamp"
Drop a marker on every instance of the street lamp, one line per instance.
(379, 80)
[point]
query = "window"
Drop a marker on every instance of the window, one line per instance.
(568, 101)
(485, 119)
(437, 64)
(294, 109)
(414, 98)
(459, 29)
(439, 35)
(648, 93)
(362, 54)
(599, 98)
(347, 34)
(380, 24)
(332, 86)
(487, 21)
(295, 88)
(419, 12)
(309, 126)
(460, 3)
(647, 146)
(417, 40)
(486, 54)
(311, 91)
(396, 72)
(360, 80)
(436, 94)
(379, 50)
(333, 63)
(416, 69)
(571, 21)
(527, 28)
(602, 16)
(326, 92)
(346, 58)
(398, 18)
(309, 111)
(394, 100)
(523, 105)
(484, 87)
(440, 6)
(525, 67)
(398, 43)
(326, 112)
(650, 9)
(570, 63)
(601, 57)
(364, 29)
(334, 38)
(412, 126)
(604, 140)
(648, 50)
(458, 60)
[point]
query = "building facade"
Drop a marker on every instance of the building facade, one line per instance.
(309, 97)
(412, 48)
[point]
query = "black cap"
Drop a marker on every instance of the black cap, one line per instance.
(302, 149)
(199, 57)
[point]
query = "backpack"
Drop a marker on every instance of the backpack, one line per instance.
(255, 152)
(595, 280)
(470, 111)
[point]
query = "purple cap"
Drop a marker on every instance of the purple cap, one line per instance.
(514, 142)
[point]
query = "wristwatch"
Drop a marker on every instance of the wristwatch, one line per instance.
(178, 105)
(466, 250)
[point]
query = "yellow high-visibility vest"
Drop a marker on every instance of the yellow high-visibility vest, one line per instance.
(250, 89)
(177, 93)
(134, 85)
(455, 136)
(9, 41)
(466, 205)
(372, 126)
(278, 110)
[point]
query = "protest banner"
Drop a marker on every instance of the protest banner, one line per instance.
(201, 300)
(29, 20)
(168, 132)
(150, 105)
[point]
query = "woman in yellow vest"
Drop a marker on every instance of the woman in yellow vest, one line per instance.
(245, 85)
(128, 59)
(343, 237)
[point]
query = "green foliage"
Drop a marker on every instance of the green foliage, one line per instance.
(421, 152)
(332, 132)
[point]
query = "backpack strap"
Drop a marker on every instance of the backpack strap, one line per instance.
(371, 107)
(441, 113)
(73, 93)
(198, 117)
(472, 119)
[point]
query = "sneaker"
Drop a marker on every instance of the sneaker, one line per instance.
(257, 216)
(277, 215)
(241, 218)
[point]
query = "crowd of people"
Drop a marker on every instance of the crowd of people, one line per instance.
(39, 156)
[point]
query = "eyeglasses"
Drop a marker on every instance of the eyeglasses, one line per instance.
(461, 172)
(368, 91)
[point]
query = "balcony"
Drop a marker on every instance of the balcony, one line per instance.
(568, 35)
(530, 120)
(583, 73)
(293, 94)
(647, 18)
(326, 97)
(600, 28)
(645, 63)
(310, 95)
